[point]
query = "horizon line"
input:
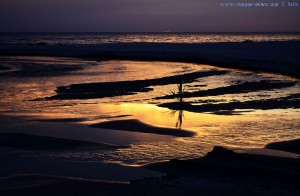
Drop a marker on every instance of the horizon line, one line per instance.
(137, 32)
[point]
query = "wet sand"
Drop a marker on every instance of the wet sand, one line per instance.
(4, 68)
(220, 172)
(138, 126)
(88, 170)
(56, 185)
(291, 101)
(42, 143)
(112, 89)
(245, 87)
(27, 68)
(288, 146)
(238, 55)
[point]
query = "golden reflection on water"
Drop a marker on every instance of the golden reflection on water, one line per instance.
(251, 130)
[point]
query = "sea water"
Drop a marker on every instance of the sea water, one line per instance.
(100, 38)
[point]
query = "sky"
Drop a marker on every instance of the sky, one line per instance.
(144, 16)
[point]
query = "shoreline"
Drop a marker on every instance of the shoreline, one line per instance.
(279, 57)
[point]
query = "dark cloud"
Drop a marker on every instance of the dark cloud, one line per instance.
(141, 16)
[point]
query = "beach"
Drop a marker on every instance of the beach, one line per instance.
(145, 118)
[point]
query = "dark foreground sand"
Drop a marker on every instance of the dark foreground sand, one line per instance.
(4, 68)
(220, 172)
(41, 143)
(226, 164)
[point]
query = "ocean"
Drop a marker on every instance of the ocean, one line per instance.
(100, 38)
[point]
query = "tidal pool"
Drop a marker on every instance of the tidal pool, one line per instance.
(30, 80)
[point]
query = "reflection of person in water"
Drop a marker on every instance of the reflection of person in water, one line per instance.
(179, 119)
